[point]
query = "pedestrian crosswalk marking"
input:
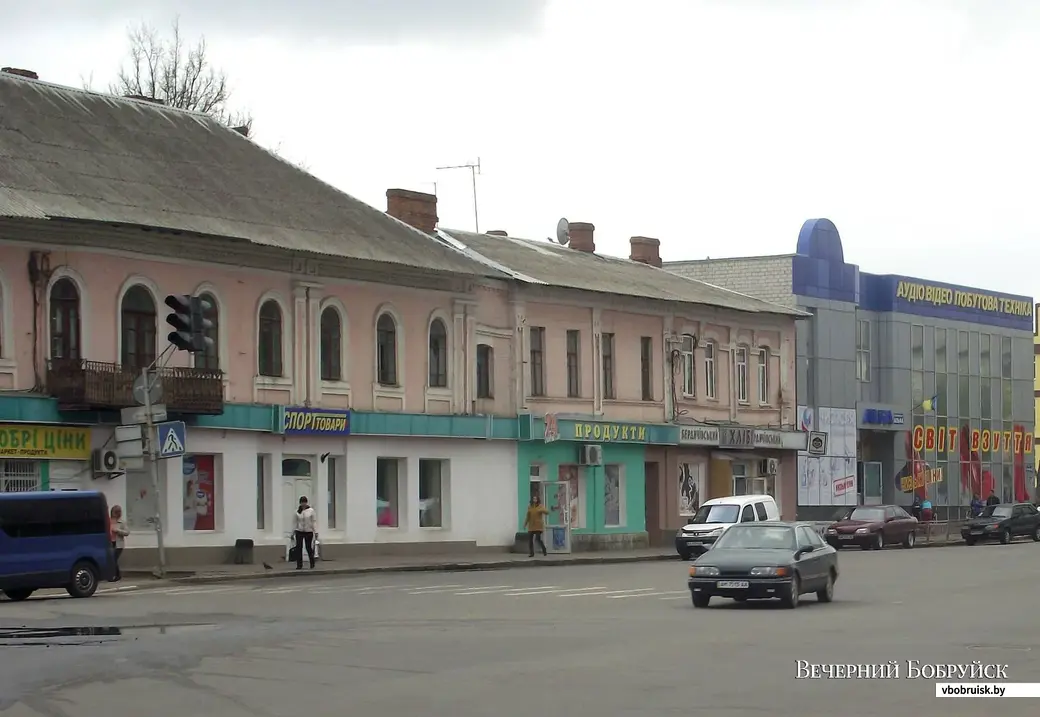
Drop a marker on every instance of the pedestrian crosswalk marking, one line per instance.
(642, 594)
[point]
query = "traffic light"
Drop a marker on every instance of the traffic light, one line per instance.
(189, 322)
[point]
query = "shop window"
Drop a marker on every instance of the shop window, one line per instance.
(139, 511)
(433, 478)
(691, 487)
(137, 327)
(332, 492)
(574, 477)
(201, 491)
(390, 475)
(485, 371)
(270, 340)
(209, 358)
(740, 479)
(65, 323)
(535, 481)
(19, 476)
(438, 354)
(614, 496)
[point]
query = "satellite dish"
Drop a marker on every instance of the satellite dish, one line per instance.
(563, 232)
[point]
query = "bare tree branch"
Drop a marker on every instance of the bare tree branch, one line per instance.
(179, 75)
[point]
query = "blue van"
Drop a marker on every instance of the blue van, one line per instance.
(54, 540)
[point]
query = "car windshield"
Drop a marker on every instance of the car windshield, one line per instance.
(757, 537)
(871, 515)
(718, 513)
(996, 511)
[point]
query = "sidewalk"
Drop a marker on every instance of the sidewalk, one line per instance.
(364, 566)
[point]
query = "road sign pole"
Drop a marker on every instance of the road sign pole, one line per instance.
(153, 467)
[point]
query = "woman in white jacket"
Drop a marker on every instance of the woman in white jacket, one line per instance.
(306, 529)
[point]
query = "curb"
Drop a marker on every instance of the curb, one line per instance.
(454, 567)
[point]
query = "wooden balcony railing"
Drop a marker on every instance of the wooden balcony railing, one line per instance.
(81, 385)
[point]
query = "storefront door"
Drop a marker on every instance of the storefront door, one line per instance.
(557, 498)
(871, 485)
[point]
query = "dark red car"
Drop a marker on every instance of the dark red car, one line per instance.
(872, 527)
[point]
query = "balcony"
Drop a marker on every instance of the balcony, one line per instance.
(81, 385)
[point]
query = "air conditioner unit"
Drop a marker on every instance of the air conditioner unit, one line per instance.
(772, 466)
(763, 467)
(591, 456)
(106, 462)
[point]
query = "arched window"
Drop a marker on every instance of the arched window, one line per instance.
(331, 345)
(65, 325)
(386, 350)
(269, 340)
(438, 354)
(210, 358)
(138, 328)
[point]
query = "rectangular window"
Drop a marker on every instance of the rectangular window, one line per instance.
(689, 372)
(740, 478)
(1005, 357)
(940, 351)
(614, 496)
(202, 492)
(917, 348)
(709, 369)
(389, 483)
(742, 375)
(692, 487)
(42, 518)
(646, 364)
(986, 397)
(485, 371)
(18, 475)
(573, 363)
(863, 351)
(607, 349)
(941, 392)
(261, 491)
(763, 376)
(433, 477)
(962, 355)
(332, 492)
(537, 338)
(985, 356)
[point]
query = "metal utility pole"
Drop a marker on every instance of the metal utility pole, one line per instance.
(153, 465)
(474, 170)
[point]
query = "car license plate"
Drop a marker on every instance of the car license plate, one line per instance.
(732, 584)
(976, 531)
(844, 537)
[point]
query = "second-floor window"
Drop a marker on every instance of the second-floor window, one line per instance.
(386, 350)
(485, 371)
(607, 348)
(438, 354)
(210, 358)
(65, 338)
(573, 363)
(763, 376)
(863, 350)
(331, 344)
(646, 366)
(689, 370)
(742, 374)
(137, 317)
(537, 360)
(709, 369)
(270, 340)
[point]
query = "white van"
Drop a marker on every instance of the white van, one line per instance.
(717, 514)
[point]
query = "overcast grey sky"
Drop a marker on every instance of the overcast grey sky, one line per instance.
(718, 126)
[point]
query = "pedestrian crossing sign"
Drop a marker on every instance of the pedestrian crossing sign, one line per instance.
(171, 439)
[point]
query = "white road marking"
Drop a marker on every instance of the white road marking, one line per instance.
(677, 597)
(571, 592)
(366, 590)
(486, 590)
(642, 594)
(618, 593)
(542, 590)
(282, 591)
(434, 589)
(121, 588)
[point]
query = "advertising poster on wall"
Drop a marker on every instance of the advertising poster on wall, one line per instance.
(199, 493)
(691, 488)
(571, 475)
(829, 479)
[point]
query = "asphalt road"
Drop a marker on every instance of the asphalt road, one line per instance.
(608, 641)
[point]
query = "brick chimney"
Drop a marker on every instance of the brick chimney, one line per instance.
(581, 237)
(498, 233)
(417, 209)
(645, 250)
(20, 72)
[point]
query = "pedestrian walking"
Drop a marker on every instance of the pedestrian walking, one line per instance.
(306, 531)
(534, 522)
(118, 538)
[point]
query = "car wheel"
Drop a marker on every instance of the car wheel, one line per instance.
(879, 541)
(827, 594)
(1005, 536)
(794, 594)
(684, 556)
(969, 541)
(700, 600)
(910, 540)
(84, 580)
(18, 595)
(1036, 534)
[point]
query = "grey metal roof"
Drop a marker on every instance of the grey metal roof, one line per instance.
(555, 265)
(78, 155)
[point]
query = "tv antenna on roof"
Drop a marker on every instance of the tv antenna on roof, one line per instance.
(474, 170)
(563, 232)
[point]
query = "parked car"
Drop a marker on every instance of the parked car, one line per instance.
(765, 561)
(716, 515)
(872, 527)
(54, 540)
(1003, 522)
